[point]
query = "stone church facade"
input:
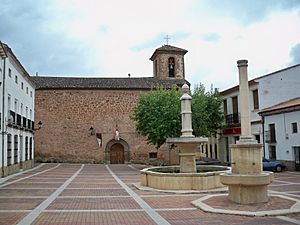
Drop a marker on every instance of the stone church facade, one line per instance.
(87, 120)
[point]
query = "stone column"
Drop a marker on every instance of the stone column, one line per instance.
(187, 143)
(186, 113)
(247, 184)
(244, 102)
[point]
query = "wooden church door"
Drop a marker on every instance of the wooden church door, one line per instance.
(117, 154)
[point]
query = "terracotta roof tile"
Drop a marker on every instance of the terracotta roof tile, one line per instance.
(42, 82)
(168, 49)
(293, 103)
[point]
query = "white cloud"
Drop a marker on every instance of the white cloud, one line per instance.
(114, 38)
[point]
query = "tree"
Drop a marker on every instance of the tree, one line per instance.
(157, 114)
(207, 117)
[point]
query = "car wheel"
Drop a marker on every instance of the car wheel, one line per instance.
(278, 169)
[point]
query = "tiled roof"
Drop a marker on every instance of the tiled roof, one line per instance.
(168, 48)
(283, 106)
(2, 51)
(103, 83)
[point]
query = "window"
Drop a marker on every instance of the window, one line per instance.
(8, 102)
(255, 99)
(26, 90)
(16, 79)
(30, 114)
(21, 109)
(257, 137)
(9, 72)
(171, 64)
(30, 149)
(8, 149)
(26, 148)
(272, 133)
(272, 152)
(225, 106)
(16, 105)
(15, 149)
(152, 155)
(294, 128)
(22, 85)
(31, 94)
(235, 107)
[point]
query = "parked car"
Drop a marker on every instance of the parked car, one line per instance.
(275, 166)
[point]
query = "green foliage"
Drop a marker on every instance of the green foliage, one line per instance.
(207, 117)
(199, 116)
(157, 114)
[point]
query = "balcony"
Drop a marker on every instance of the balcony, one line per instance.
(270, 137)
(19, 120)
(232, 119)
(24, 125)
(29, 124)
(11, 118)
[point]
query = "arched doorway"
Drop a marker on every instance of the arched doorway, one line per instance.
(113, 148)
(117, 154)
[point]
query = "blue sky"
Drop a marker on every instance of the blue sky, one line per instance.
(97, 38)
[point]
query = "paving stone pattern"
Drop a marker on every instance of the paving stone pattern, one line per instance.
(93, 196)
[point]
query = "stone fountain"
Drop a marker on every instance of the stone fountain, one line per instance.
(186, 176)
(187, 142)
(247, 183)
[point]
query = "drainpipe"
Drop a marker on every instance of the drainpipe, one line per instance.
(3, 111)
(263, 134)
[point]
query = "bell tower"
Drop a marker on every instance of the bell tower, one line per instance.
(168, 62)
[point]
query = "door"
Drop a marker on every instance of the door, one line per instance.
(21, 152)
(117, 154)
(297, 157)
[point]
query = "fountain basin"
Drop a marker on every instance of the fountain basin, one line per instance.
(263, 178)
(169, 178)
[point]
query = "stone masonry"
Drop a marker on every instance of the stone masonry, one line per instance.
(67, 116)
(75, 110)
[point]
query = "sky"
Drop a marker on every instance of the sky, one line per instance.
(97, 38)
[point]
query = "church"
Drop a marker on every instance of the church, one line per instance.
(87, 120)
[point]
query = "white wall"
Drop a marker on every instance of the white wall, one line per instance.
(15, 91)
(285, 139)
(279, 87)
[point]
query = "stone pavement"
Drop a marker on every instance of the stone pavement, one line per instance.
(75, 194)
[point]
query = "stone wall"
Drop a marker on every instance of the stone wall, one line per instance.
(163, 69)
(67, 116)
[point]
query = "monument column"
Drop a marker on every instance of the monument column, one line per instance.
(244, 100)
(247, 183)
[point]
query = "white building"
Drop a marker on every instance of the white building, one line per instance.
(17, 114)
(264, 91)
(281, 125)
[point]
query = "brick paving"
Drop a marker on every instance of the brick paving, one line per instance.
(222, 202)
(7, 218)
(95, 197)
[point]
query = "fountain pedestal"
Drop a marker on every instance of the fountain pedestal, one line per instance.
(187, 152)
(247, 183)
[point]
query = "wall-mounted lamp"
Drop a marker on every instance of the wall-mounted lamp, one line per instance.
(92, 131)
(40, 125)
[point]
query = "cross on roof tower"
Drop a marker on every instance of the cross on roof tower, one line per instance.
(167, 39)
